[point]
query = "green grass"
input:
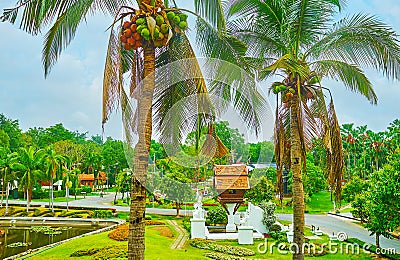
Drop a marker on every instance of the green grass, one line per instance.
(320, 203)
(346, 210)
(58, 199)
(158, 247)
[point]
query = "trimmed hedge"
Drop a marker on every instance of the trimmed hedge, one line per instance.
(232, 250)
(101, 214)
(111, 252)
(85, 252)
(219, 256)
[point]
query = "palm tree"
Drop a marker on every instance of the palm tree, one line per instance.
(53, 164)
(3, 154)
(7, 162)
(29, 166)
(296, 39)
(141, 61)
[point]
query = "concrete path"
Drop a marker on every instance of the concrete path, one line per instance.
(329, 224)
(183, 235)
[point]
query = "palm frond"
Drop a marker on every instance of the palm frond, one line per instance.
(66, 14)
(307, 19)
(113, 80)
(233, 81)
(181, 101)
(62, 32)
(352, 77)
(289, 63)
(233, 86)
(212, 11)
(335, 159)
(362, 40)
(270, 12)
(218, 45)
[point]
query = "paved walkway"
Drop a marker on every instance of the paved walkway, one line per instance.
(183, 235)
(334, 224)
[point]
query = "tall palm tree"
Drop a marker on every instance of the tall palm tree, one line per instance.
(29, 166)
(298, 41)
(53, 165)
(141, 62)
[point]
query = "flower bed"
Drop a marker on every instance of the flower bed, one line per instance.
(232, 250)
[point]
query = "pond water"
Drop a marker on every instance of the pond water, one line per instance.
(17, 237)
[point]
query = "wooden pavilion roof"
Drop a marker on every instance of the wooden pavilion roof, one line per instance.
(231, 177)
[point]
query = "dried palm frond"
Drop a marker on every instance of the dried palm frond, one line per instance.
(213, 146)
(181, 101)
(335, 159)
(113, 77)
(279, 141)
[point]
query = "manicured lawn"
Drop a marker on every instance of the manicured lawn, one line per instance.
(346, 210)
(63, 251)
(158, 247)
(58, 199)
(320, 203)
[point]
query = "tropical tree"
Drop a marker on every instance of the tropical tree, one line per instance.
(296, 40)
(385, 200)
(53, 165)
(29, 166)
(69, 177)
(123, 183)
(7, 162)
(13, 131)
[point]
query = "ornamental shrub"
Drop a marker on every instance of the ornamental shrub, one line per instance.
(120, 233)
(217, 216)
(225, 249)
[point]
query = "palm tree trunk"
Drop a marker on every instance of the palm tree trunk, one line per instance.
(136, 243)
(7, 191)
(51, 196)
(298, 193)
(27, 200)
(2, 190)
(67, 193)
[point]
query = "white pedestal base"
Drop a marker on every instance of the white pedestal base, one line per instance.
(231, 227)
(245, 235)
(289, 236)
(198, 228)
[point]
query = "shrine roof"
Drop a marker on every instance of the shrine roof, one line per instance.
(231, 170)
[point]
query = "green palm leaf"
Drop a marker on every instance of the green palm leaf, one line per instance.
(352, 77)
(362, 40)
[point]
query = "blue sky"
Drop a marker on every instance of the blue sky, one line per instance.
(72, 93)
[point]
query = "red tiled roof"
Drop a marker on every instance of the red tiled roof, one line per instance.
(86, 177)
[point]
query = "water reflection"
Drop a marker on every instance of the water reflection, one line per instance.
(17, 239)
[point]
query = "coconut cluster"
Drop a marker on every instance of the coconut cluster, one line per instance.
(288, 93)
(157, 29)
